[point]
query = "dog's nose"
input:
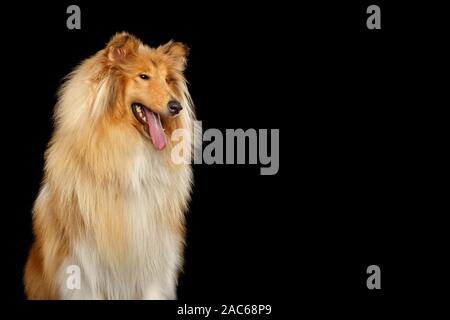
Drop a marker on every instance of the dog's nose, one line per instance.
(174, 107)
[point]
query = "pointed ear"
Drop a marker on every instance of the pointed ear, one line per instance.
(121, 46)
(177, 52)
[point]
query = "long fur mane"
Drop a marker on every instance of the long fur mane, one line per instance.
(100, 178)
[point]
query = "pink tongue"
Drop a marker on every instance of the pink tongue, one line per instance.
(155, 129)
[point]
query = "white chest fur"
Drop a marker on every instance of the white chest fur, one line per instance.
(155, 194)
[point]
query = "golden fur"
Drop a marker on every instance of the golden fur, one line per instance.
(109, 202)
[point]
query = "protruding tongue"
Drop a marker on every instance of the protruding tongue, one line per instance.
(155, 129)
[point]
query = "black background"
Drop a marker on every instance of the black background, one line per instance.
(344, 98)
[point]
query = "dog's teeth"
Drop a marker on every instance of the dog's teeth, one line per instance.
(140, 112)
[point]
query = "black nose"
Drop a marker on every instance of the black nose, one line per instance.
(174, 107)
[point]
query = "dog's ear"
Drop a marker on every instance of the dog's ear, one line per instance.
(121, 46)
(177, 52)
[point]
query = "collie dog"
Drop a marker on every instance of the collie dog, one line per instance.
(112, 202)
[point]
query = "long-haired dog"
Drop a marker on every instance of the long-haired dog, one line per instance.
(112, 202)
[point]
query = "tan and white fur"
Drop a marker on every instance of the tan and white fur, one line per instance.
(110, 202)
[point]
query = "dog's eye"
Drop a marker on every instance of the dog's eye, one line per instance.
(144, 76)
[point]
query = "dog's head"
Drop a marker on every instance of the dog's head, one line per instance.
(149, 86)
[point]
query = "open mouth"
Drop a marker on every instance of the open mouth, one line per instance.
(151, 122)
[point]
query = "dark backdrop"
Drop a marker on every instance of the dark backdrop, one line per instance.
(340, 95)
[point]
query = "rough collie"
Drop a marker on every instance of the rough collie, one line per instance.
(112, 202)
